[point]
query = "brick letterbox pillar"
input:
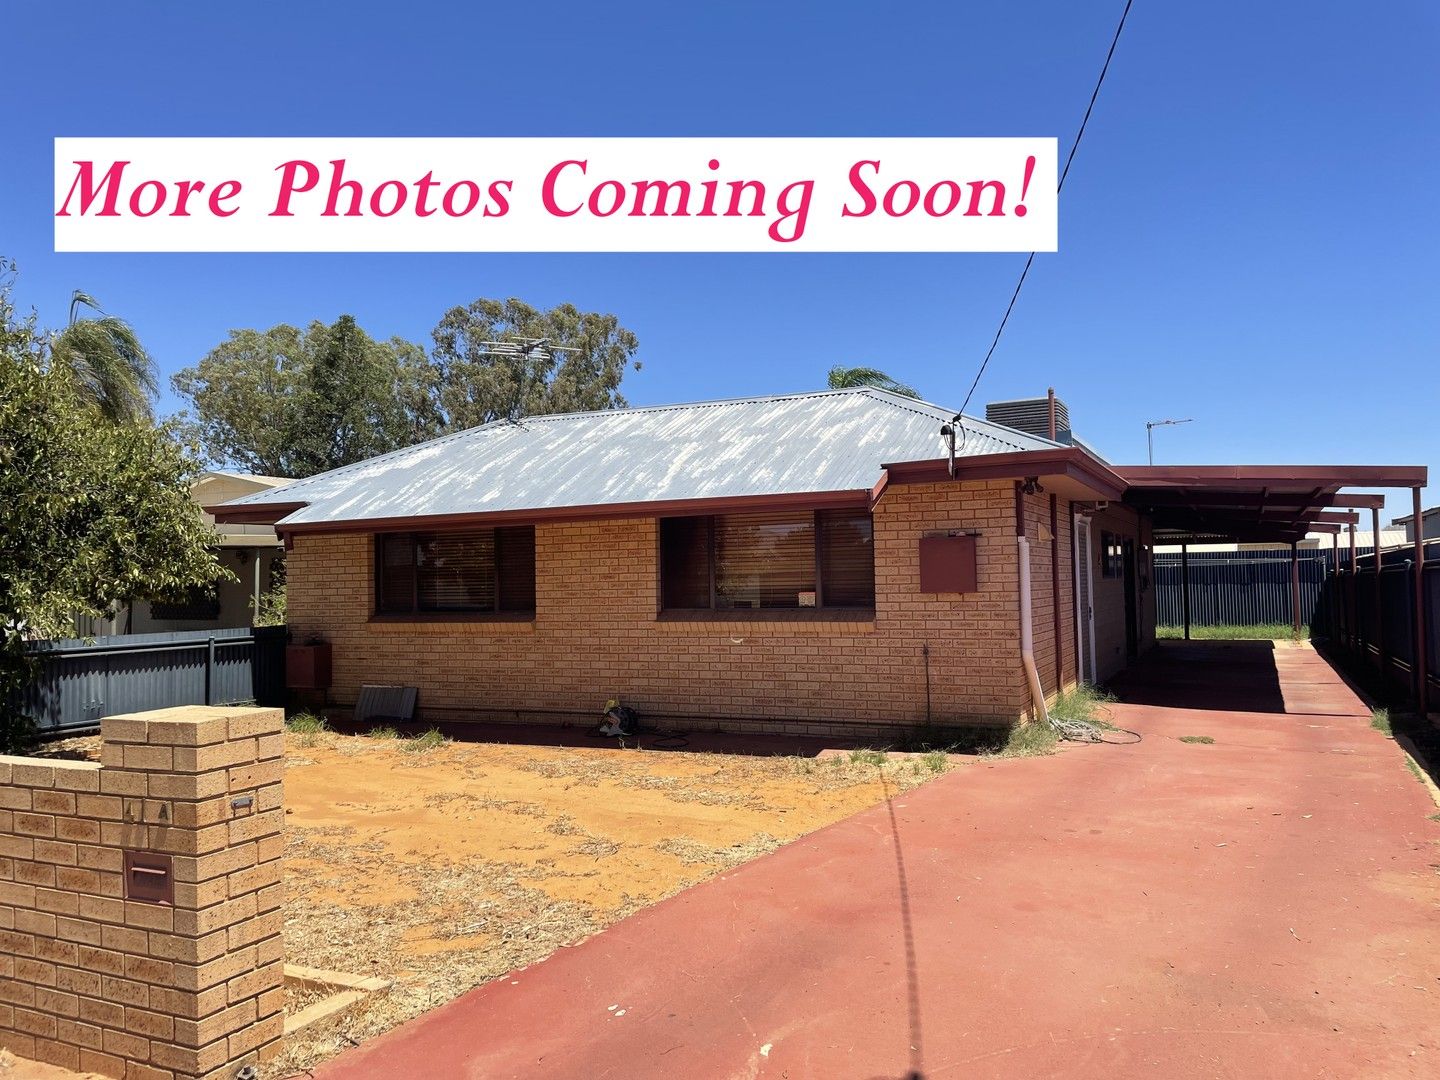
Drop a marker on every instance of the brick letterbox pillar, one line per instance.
(140, 918)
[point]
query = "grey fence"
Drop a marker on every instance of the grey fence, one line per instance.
(1241, 588)
(79, 681)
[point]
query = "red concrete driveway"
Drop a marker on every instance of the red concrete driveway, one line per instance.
(1265, 906)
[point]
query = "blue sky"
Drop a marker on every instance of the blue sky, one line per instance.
(1248, 236)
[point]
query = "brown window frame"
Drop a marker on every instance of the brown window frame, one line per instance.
(415, 611)
(818, 540)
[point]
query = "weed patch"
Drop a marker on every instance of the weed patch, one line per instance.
(308, 726)
(1380, 721)
(868, 757)
(1035, 739)
(423, 744)
(1203, 740)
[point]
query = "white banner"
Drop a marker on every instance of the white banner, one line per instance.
(555, 194)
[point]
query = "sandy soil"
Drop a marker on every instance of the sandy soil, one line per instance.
(446, 868)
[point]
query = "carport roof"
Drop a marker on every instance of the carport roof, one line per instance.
(1256, 503)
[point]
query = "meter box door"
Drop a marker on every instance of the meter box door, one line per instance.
(307, 667)
(948, 564)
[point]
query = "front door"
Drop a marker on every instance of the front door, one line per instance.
(1132, 607)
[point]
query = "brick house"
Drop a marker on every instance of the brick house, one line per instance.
(811, 563)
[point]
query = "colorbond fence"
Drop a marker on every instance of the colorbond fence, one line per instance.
(80, 681)
(1377, 636)
(1241, 588)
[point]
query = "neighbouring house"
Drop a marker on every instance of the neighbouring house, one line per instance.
(252, 553)
(1429, 529)
(814, 562)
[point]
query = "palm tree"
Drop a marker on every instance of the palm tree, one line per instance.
(109, 365)
(842, 378)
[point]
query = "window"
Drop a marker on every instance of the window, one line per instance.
(1112, 555)
(739, 562)
(475, 571)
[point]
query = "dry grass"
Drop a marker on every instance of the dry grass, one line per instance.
(553, 845)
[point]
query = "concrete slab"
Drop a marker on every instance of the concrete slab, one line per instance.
(1265, 905)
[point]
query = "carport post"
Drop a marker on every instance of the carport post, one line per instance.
(1295, 585)
(1354, 616)
(1185, 585)
(1379, 613)
(1421, 676)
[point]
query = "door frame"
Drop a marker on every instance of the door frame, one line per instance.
(1084, 620)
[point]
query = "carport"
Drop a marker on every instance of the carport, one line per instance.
(1277, 504)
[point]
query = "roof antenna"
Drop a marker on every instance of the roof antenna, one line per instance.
(527, 349)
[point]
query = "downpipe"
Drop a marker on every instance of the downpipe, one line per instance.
(1027, 634)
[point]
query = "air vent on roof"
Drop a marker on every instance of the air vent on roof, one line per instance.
(1031, 415)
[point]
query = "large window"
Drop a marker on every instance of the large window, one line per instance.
(476, 571)
(739, 562)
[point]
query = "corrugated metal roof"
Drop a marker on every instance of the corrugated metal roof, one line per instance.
(825, 441)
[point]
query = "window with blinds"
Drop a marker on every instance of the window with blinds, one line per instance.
(476, 571)
(847, 558)
(739, 562)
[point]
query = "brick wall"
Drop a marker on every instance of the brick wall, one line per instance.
(1051, 546)
(597, 635)
(93, 980)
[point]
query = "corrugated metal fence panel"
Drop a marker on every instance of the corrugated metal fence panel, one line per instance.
(1346, 616)
(1239, 588)
(79, 681)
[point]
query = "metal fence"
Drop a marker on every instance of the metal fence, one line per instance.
(1241, 588)
(1368, 619)
(80, 681)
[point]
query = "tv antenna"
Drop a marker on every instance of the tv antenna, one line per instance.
(525, 348)
(1151, 425)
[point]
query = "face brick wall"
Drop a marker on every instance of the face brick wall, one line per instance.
(596, 633)
(94, 981)
(1047, 545)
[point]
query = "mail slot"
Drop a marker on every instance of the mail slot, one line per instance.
(149, 878)
(947, 564)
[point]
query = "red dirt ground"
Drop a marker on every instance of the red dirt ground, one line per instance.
(1265, 906)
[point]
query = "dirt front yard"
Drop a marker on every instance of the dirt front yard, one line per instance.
(444, 867)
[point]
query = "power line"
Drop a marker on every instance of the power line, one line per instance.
(1058, 188)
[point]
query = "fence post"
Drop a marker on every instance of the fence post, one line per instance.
(1378, 555)
(1418, 665)
(1295, 587)
(210, 670)
(1185, 586)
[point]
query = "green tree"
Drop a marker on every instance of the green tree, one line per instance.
(292, 402)
(842, 378)
(477, 385)
(91, 513)
(109, 366)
